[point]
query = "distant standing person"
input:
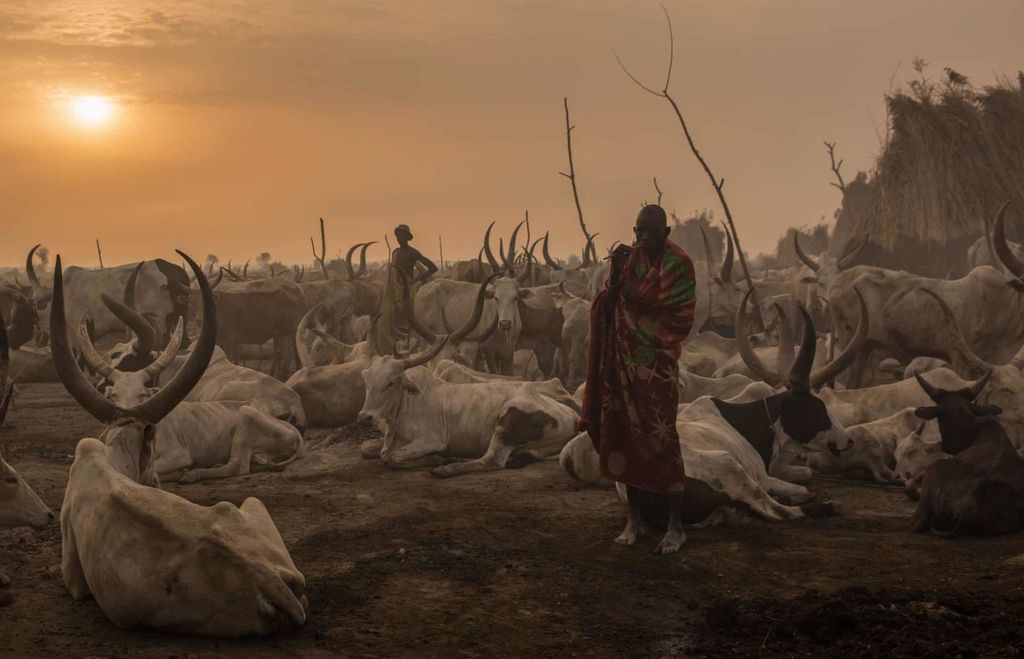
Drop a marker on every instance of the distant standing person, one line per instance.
(637, 325)
(407, 259)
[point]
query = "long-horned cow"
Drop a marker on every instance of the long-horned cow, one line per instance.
(181, 567)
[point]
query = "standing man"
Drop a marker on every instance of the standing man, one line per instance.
(405, 258)
(637, 324)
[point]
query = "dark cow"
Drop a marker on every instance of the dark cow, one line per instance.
(980, 490)
(254, 312)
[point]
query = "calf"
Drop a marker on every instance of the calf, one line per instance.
(980, 489)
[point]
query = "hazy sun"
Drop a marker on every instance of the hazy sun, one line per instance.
(92, 111)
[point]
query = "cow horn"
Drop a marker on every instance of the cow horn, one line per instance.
(511, 256)
(529, 258)
(362, 258)
(932, 391)
(808, 261)
(444, 321)
(348, 261)
(726, 274)
(165, 358)
(846, 262)
(38, 291)
(547, 254)
(829, 371)
(747, 353)
(410, 311)
(155, 408)
(305, 359)
(495, 266)
(371, 337)
(426, 355)
(486, 334)
(129, 288)
(784, 357)
(144, 332)
(800, 372)
(90, 355)
(1007, 257)
(474, 319)
(64, 362)
(709, 258)
(963, 354)
(216, 283)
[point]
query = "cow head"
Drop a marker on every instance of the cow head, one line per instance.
(132, 409)
(136, 353)
(24, 319)
(19, 504)
(41, 298)
(506, 294)
(387, 385)
(813, 282)
(958, 414)
(913, 455)
(457, 338)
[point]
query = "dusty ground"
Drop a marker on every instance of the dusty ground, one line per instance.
(521, 563)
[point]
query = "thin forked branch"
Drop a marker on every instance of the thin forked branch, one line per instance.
(591, 252)
(831, 148)
(657, 189)
(323, 249)
(716, 183)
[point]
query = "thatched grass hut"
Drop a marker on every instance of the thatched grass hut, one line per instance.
(952, 156)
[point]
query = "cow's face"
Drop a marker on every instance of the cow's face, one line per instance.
(957, 412)
(806, 419)
(19, 505)
(127, 388)
(506, 295)
(913, 456)
(386, 386)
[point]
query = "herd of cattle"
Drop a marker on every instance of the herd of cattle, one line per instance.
(842, 369)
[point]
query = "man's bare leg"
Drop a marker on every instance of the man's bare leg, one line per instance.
(675, 536)
(634, 522)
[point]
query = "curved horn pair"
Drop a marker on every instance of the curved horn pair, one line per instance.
(800, 375)
(156, 407)
(808, 261)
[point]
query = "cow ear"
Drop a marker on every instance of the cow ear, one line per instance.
(979, 409)
(410, 386)
(927, 413)
(525, 294)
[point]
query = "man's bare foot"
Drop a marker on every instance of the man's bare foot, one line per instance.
(671, 543)
(629, 535)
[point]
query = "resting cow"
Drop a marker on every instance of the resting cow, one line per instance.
(980, 490)
(149, 557)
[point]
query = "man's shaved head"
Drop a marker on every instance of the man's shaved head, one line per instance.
(652, 215)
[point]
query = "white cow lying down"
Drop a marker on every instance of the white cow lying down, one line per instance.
(157, 560)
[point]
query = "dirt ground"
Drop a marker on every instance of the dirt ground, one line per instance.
(521, 563)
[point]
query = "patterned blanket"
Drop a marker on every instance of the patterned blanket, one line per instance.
(629, 408)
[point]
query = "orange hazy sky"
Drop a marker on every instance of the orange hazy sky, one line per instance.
(238, 124)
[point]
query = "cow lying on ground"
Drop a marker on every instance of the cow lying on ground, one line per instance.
(150, 557)
(873, 449)
(737, 453)
(483, 423)
(19, 504)
(980, 490)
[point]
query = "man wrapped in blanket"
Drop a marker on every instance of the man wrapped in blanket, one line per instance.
(637, 325)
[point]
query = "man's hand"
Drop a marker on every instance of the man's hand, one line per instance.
(618, 259)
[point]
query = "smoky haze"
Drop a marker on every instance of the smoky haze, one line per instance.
(238, 124)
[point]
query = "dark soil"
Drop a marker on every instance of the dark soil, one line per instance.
(521, 563)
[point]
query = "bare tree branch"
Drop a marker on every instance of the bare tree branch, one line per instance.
(323, 249)
(657, 189)
(831, 148)
(717, 184)
(591, 252)
(99, 253)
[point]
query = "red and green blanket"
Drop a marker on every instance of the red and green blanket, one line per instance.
(629, 408)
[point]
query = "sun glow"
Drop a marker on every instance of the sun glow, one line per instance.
(92, 111)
